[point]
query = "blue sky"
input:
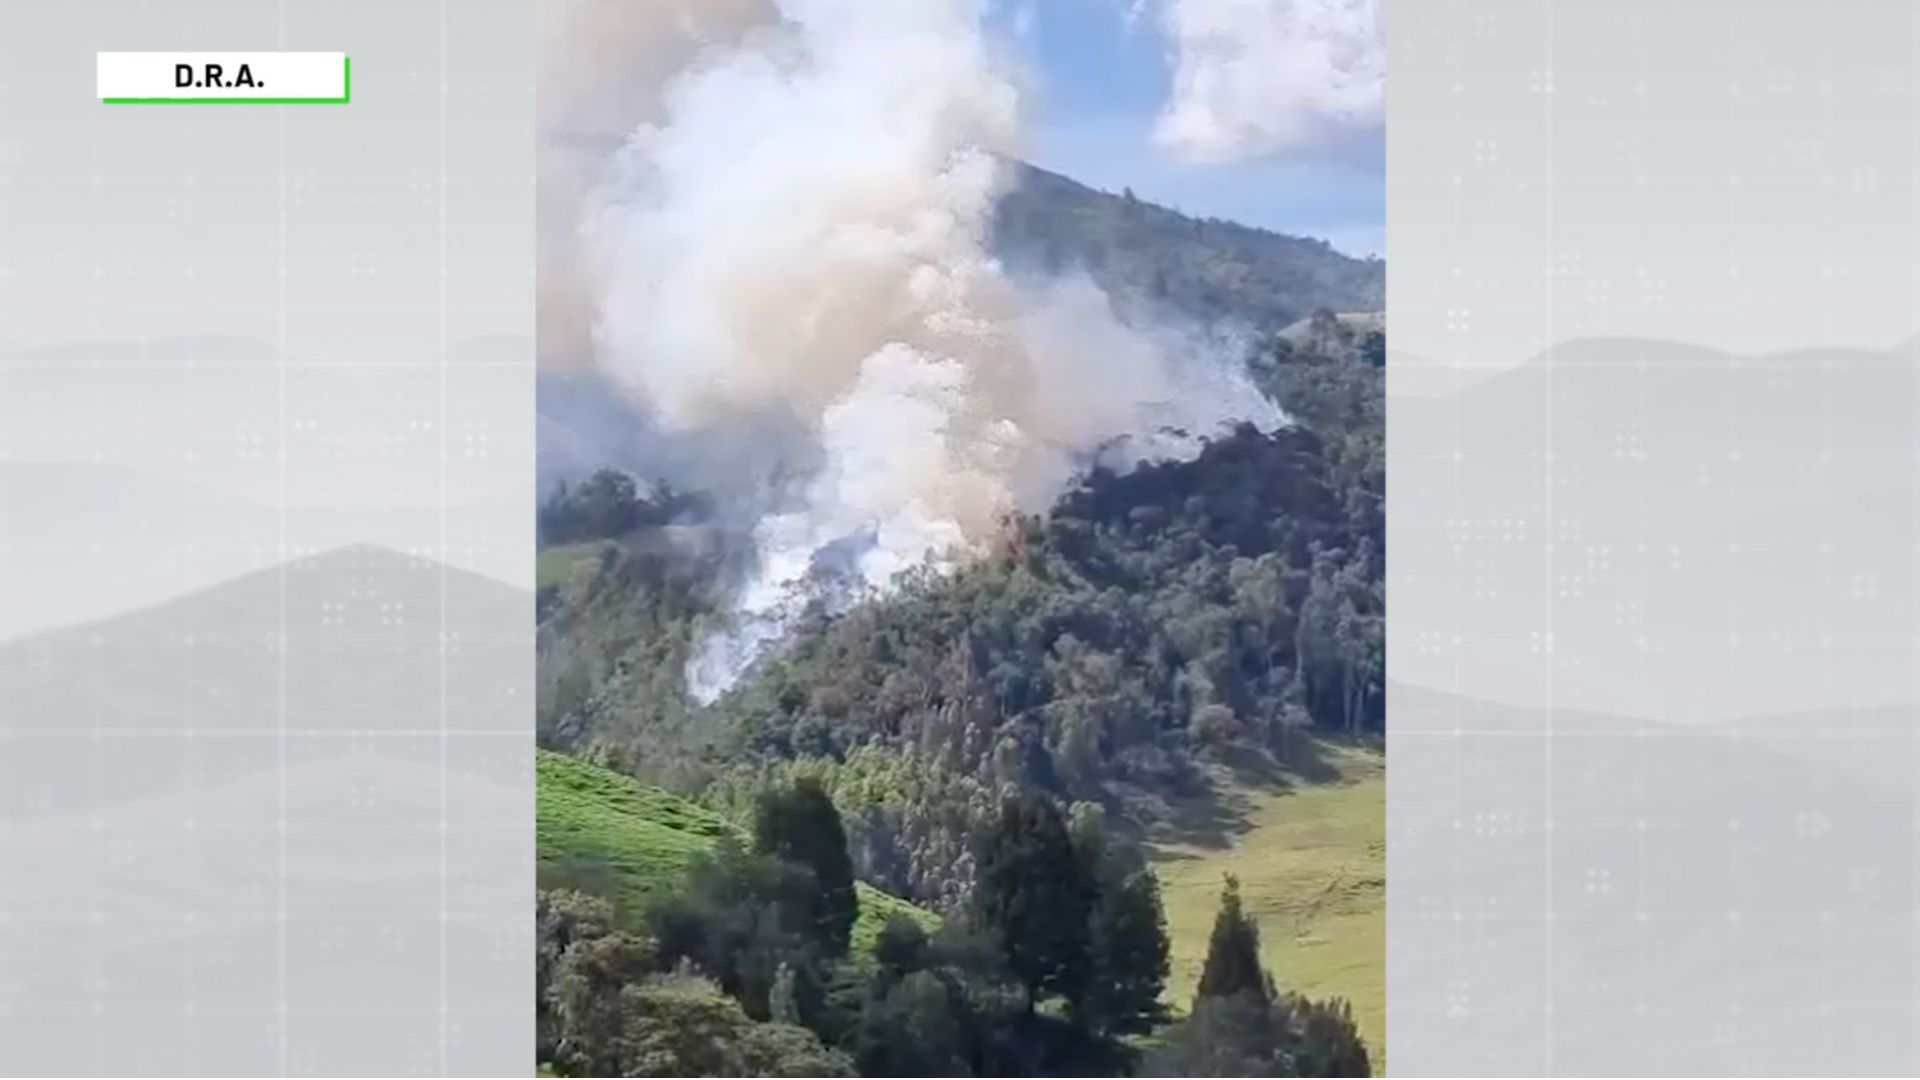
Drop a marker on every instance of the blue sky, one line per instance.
(1097, 86)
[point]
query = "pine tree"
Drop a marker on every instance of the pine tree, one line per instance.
(800, 825)
(1233, 953)
(1127, 934)
(1035, 894)
(1321, 1037)
(1241, 1026)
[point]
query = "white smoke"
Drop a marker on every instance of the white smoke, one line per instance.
(1259, 76)
(801, 225)
(603, 65)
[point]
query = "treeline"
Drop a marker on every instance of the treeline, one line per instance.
(1114, 651)
(1108, 660)
(1181, 603)
(1056, 966)
(1154, 623)
(608, 505)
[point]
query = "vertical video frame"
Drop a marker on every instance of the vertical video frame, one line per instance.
(961, 565)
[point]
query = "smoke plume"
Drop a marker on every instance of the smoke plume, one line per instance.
(796, 225)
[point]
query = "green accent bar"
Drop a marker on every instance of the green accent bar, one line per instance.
(346, 96)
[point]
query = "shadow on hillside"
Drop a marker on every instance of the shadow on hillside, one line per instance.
(1209, 820)
(1301, 759)
(1216, 816)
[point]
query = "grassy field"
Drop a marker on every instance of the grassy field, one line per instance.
(1311, 859)
(607, 834)
(1310, 856)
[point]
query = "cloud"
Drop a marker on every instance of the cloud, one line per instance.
(1259, 77)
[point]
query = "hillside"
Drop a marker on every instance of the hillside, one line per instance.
(1207, 270)
(606, 834)
(1651, 423)
(1059, 747)
(1310, 854)
(144, 784)
(362, 625)
(1155, 262)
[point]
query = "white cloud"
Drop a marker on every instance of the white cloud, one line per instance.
(1254, 77)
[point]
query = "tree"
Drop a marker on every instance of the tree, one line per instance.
(1373, 348)
(605, 505)
(1035, 894)
(1339, 647)
(739, 919)
(584, 967)
(1215, 725)
(900, 949)
(799, 825)
(561, 918)
(783, 1000)
(1233, 953)
(784, 1050)
(682, 1025)
(1130, 952)
(1321, 1038)
(1241, 1026)
(1230, 1036)
(911, 1028)
(1127, 935)
(1237, 1035)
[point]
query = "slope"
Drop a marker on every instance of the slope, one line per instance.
(1154, 261)
(1205, 270)
(607, 834)
(1310, 855)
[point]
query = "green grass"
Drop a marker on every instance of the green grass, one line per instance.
(1312, 867)
(877, 909)
(1311, 859)
(607, 834)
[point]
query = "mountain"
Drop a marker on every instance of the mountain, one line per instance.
(1184, 659)
(1566, 856)
(364, 631)
(1144, 622)
(1730, 534)
(1154, 262)
(1058, 747)
(137, 537)
(259, 769)
(1183, 613)
(1203, 269)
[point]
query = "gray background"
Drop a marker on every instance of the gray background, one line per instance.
(1651, 439)
(266, 433)
(1652, 291)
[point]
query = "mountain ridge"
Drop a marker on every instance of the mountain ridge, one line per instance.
(1160, 261)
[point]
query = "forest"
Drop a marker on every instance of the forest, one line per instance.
(1056, 966)
(984, 752)
(1153, 257)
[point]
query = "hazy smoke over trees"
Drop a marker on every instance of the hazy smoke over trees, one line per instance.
(772, 217)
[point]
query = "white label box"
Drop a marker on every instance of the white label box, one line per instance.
(257, 78)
